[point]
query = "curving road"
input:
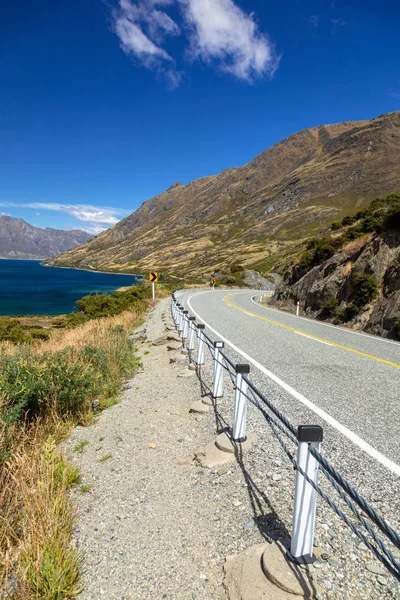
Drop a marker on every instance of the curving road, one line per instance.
(346, 381)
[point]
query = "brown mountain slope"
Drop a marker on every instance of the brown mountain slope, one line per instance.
(286, 193)
(19, 239)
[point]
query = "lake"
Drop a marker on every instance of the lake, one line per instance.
(27, 288)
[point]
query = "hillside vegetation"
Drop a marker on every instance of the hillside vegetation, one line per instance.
(257, 212)
(352, 272)
(46, 388)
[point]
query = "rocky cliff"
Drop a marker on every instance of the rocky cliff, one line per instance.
(360, 285)
(287, 193)
(19, 239)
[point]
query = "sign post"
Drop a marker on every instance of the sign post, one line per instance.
(153, 277)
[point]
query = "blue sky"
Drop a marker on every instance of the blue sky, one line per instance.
(105, 104)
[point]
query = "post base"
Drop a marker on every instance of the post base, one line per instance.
(207, 401)
(306, 559)
(263, 572)
(199, 407)
(225, 443)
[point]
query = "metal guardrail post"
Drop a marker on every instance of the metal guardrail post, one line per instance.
(173, 309)
(218, 380)
(200, 344)
(180, 318)
(301, 547)
(192, 332)
(239, 416)
(185, 323)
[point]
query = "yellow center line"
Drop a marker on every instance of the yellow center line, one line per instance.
(315, 337)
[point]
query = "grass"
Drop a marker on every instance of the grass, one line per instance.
(85, 488)
(46, 388)
(80, 446)
(104, 458)
(38, 517)
(109, 402)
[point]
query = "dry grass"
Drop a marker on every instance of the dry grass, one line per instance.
(37, 518)
(357, 245)
(36, 515)
(346, 269)
(93, 332)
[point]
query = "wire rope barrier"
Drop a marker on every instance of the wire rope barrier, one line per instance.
(305, 457)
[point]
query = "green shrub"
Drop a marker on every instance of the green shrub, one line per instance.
(366, 288)
(11, 331)
(347, 221)
(39, 334)
(42, 384)
(317, 251)
(347, 313)
(330, 305)
(381, 215)
(105, 305)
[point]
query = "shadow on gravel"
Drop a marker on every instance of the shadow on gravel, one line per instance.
(269, 524)
(265, 518)
(206, 392)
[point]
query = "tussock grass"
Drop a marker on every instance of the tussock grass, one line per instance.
(37, 517)
(46, 389)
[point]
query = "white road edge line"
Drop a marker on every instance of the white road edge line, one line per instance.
(353, 437)
(310, 337)
(315, 322)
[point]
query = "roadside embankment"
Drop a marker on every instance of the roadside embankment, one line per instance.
(46, 388)
(153, 523)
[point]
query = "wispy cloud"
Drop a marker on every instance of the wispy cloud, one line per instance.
(216, 32)
(337, 23)
(142, 28)
(395, 95)
(313, 20)
(96, 218)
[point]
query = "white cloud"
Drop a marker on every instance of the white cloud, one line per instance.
(217, 32)
(141, 28)
(98, 218)
(221, 31)
(135, 41)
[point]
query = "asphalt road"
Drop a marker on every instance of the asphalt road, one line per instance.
(345, 381)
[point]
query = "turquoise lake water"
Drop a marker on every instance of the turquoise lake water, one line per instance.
(27, 288)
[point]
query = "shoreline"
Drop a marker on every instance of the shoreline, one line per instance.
(91, 270)
(111, 288)
(10, 258)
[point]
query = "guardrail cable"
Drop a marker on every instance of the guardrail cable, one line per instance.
(393, 566)
(281, 427)
(383, 554)
(276, 412)
(362, 503)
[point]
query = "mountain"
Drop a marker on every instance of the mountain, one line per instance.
(243, 215)
(18, 239)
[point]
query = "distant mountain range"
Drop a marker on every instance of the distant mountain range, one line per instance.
(247, 214)
(19, 239)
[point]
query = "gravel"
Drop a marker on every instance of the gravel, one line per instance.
(157, 525)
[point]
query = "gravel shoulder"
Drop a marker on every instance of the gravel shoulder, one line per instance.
(153, 524)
